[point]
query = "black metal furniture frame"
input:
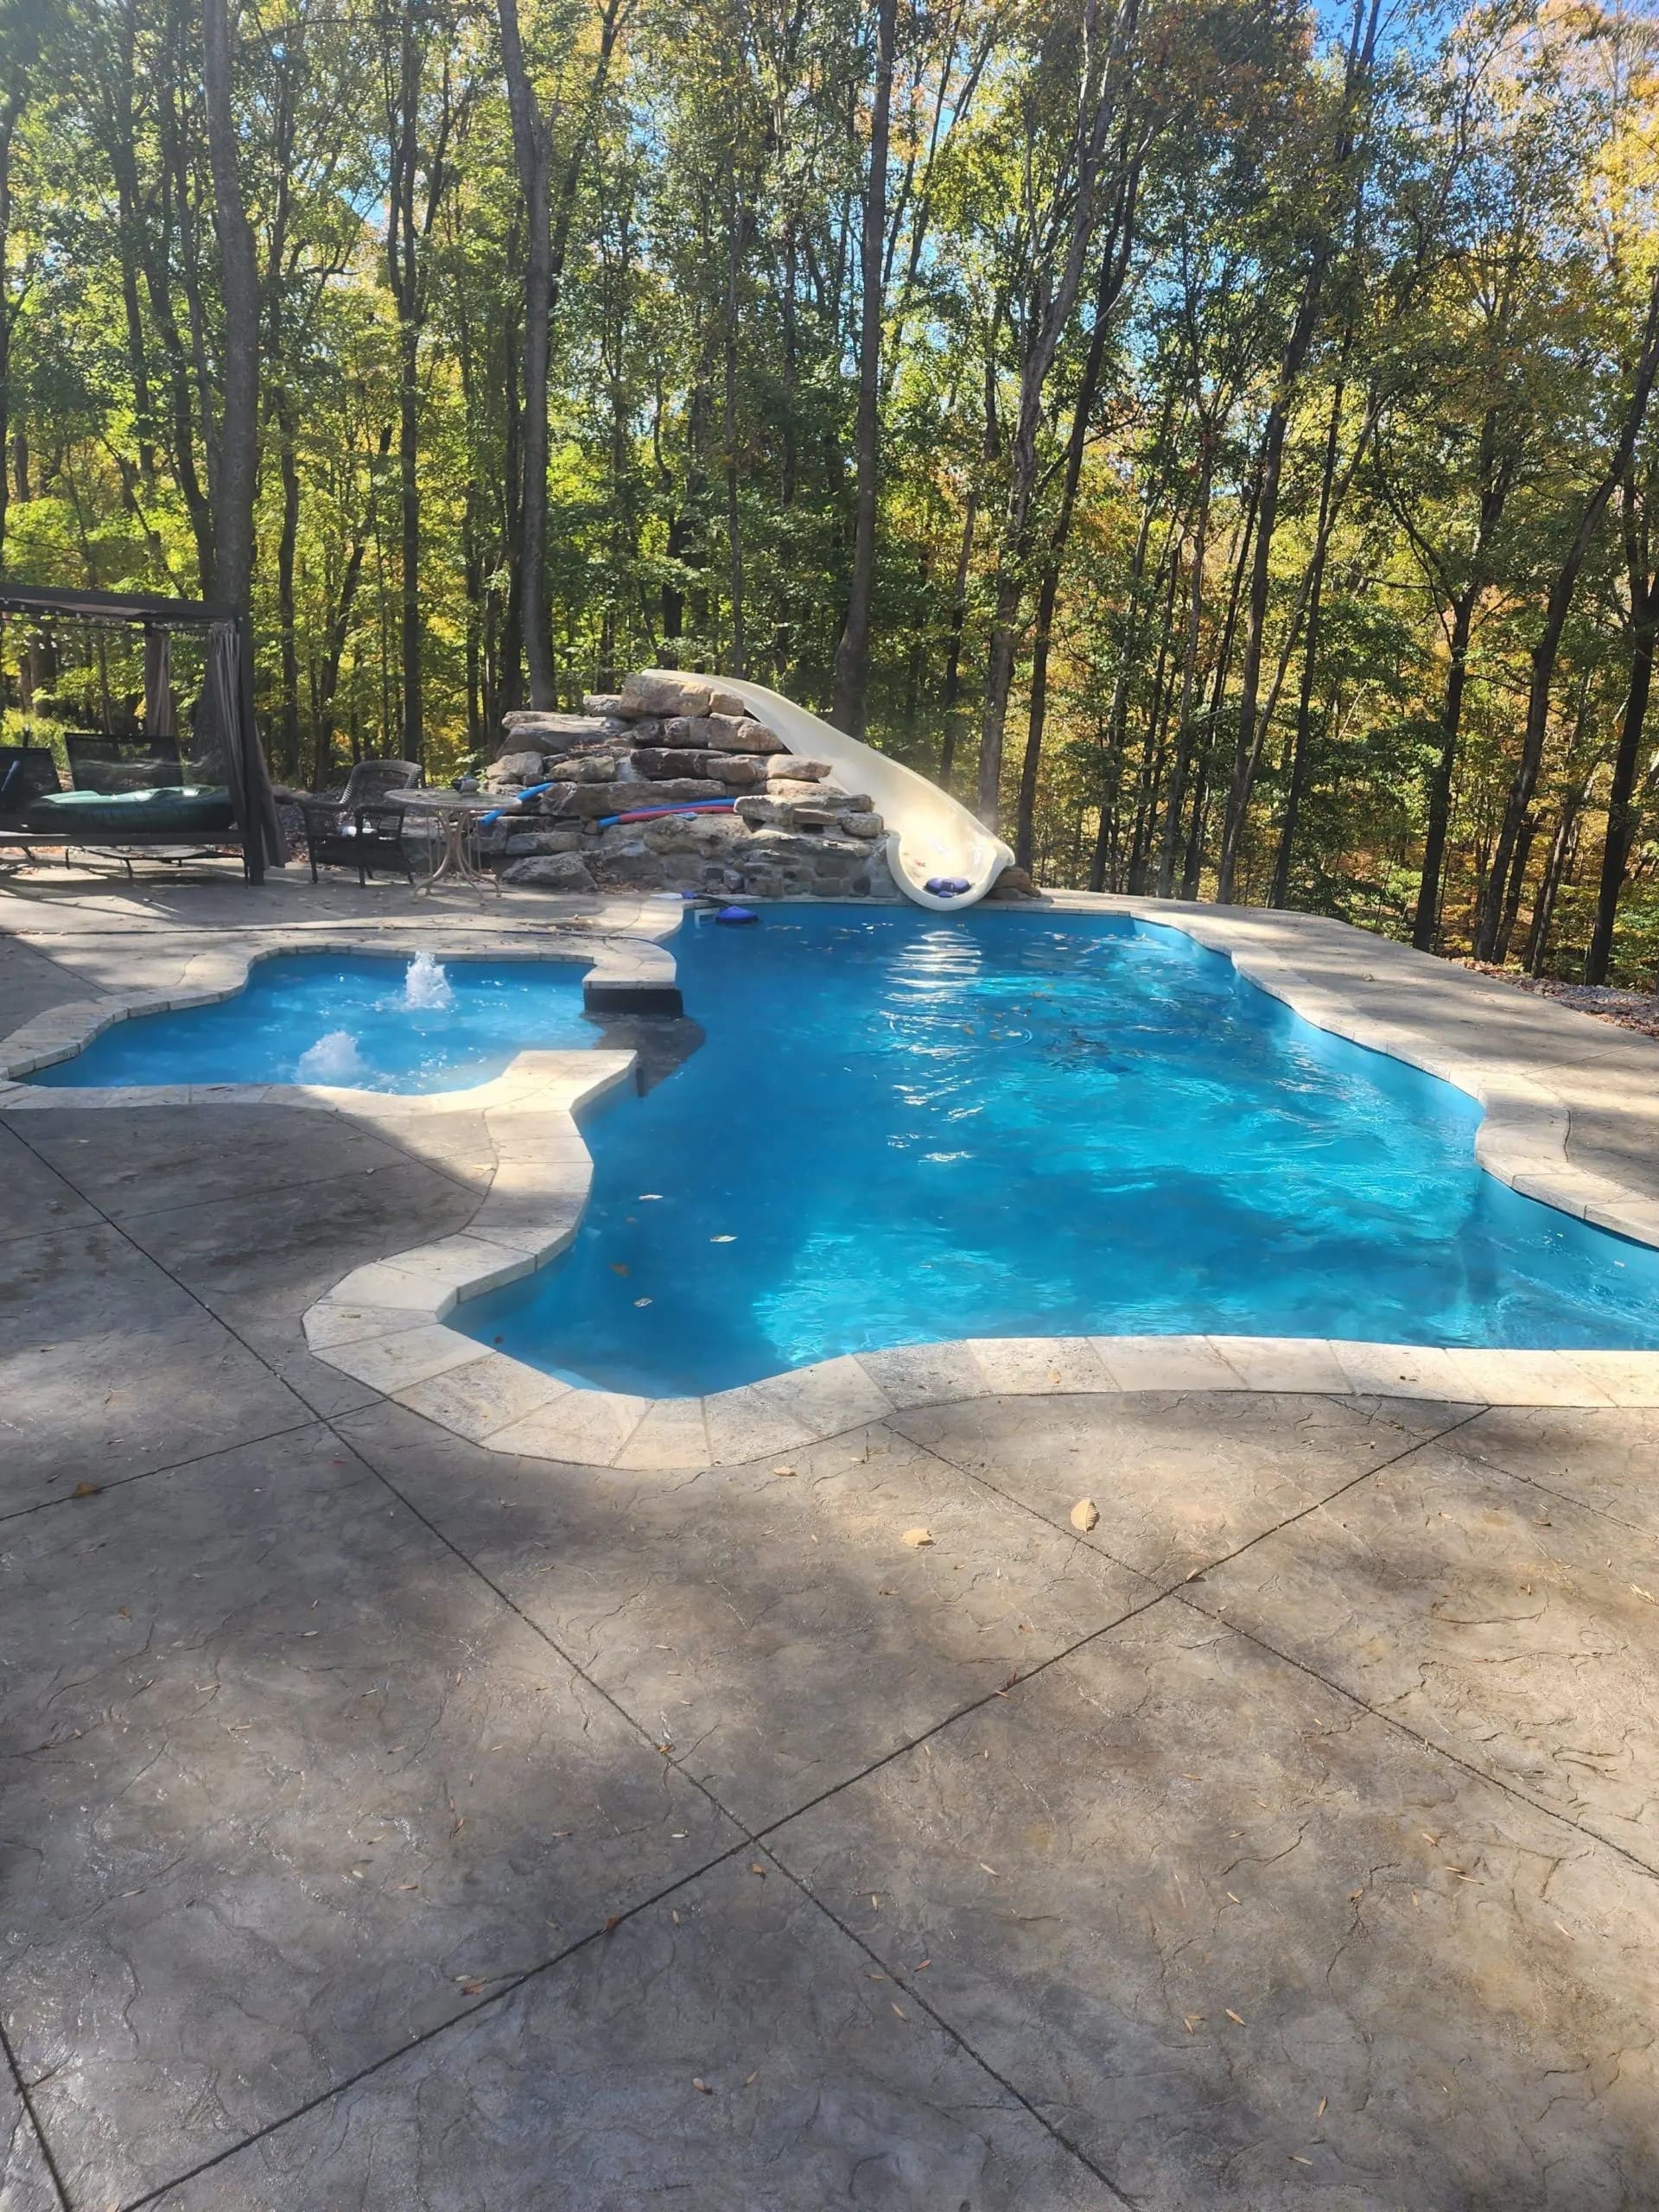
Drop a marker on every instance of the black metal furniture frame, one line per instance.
(229, 689)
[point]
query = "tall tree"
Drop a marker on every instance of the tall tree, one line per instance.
(853, 652)
(1492, 940)
(235, 445)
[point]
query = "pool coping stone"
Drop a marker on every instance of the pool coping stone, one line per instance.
(386, 1324)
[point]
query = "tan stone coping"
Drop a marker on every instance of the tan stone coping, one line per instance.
(385, 1324)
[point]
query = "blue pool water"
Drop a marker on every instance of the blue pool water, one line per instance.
(905, 1128)
(902, 1127)
(316, 1018)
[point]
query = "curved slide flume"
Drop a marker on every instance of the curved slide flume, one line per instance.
(929, 835)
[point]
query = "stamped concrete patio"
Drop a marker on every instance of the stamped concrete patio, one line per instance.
(391, 1822)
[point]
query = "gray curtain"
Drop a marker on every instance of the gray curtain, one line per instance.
(158, 684)
(241, 757)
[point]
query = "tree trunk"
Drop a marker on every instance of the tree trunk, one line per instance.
(1506, 859)
(1053, 297)
(237, 442)
(288, 748)
(1183, 764)
(1115, 268)
(847, 708)
(1361, 53)
(532, 155)
(1281, 891)
(953, 653)
(1426, 922)
(1623, 816)
(8, 114)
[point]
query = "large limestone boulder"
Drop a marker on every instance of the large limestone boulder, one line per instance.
(518, 842)
(626, 863)
(795, 768)
(856, 822)
(580, 801)
(584, 768)
(766, 812)
(514, 770)
(734, 770)
(664, 693)
(550, 872)
(671, 791)
(704, 834)
(552, 732)
(722, 733)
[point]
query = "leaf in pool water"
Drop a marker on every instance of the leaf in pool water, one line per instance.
(618, 1267)
(917, 1538)
(645, 1195)
(642, 1301)
(1084, 1515)
(722, 1240)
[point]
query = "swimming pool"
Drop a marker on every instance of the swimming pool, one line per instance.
(904, 1129)
(367, 1022)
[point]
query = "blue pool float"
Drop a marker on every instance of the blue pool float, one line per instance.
(736, 915)
(947, 886)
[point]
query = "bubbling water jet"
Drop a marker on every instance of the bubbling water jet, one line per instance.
(335, 1058)
(427, 988)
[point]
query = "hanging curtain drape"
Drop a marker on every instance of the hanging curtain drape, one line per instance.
(242, 761)
(158, 684)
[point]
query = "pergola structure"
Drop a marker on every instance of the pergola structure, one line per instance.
(228, 689)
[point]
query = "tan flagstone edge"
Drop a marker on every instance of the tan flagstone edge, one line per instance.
(384, 1323)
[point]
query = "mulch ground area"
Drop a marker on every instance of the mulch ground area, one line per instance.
(1637, 1010)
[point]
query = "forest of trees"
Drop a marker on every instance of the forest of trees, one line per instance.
(1213, 437)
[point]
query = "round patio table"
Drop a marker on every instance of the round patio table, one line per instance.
(455, 815)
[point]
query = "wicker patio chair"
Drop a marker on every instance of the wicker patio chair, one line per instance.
(359, 829)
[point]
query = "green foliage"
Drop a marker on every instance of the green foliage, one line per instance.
(1476, 208)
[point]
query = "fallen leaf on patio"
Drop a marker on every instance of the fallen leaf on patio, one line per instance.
(759, 1869)
(1237, 1900)
(674, 1915)
(1192, 2021)
(923, 1965)
(1296, 2159)
(1085, 1514)
(87, 1489)
(1234, 2017)
(1647, 1594)
(409, 1886)
(125, 1611)
(1323, 2102)
(902, 2014)
(698, 2082)
(615, 1921)
(749, 2079)
(984, 1869)
(783, 1470)
(917, 1538)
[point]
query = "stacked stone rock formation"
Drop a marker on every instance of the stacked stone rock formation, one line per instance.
(794, 831)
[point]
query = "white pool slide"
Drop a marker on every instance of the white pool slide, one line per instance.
(930, 835)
